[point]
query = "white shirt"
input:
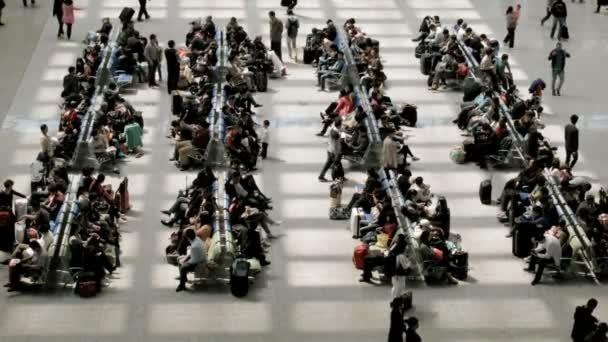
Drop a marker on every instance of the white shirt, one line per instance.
(196, 252)
(552, 247)
(264, 135)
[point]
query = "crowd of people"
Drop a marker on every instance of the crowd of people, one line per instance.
(98, 208)
(198, 209)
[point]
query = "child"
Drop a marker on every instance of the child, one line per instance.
(264, 138)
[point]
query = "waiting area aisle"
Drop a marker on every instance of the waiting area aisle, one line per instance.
(310, 292)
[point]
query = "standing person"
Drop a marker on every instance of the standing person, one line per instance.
(558, 65)
(334, 149)
(7, 232)
(143, 11)
(584, 321)
(411, 335)
(172, 59)
(397, 328)
(264, 139)
(293, 25)
(68, 16)
(2, 5)
(571, 135)
(511, 26)
(153, 54)
(276, 34)
(390, 158)
(548, 15)
(559, 12)
(58, 13)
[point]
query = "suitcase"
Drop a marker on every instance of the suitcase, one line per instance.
(359, 254)
(126, 14)
(522, 244)
(425, 64)
(408, 300)
(38, 179)
(20, 207)
(485, 192)
(337, 171)
(261, 81)
(563, 33)
(459, 265)
(177, 104)
(355, 220)
(409, 113)
(309, 55)
(239, 277)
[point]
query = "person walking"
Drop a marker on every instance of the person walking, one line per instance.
(58, 13)
(397, 327)
(292, 25)
(558, 65)
(411, 335)
(584, 321)
(548, 15)
(334, 149)
(559, 12)
(172, 59)
(153, 54)
(290, 4)
(143, 11)
(2, 5)
(276, 34)
(512, 17)
(571, 138)
(67, 9)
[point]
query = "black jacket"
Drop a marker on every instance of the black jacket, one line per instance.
(559, 9)
(571, 135)
(584, 323)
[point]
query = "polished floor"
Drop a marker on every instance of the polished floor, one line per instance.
(310, 292)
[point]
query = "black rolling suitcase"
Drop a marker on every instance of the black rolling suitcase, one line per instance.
(239, 277)
(425, 64)
(126, 14)
(522, 244)
(309, 55)
(459, 265)
(261, 81)
(485, 192)
(564, 34)
(177, 104)
(409, 113)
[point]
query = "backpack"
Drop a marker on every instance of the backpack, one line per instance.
(292, 27)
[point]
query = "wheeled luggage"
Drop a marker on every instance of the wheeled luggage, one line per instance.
(485, 192)
(459, 265)
(177, 104)
(564, 34)
(261, 81)
(522, 243)
(239, 277)
(309, 55)
(355, 222)
(359, 254)
(409, 114)
(425, 64)
(126, 14)
(38, 176)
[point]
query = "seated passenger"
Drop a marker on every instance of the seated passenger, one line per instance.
(334, 71)
(27, 260)
(188, 263)
(548, 251)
